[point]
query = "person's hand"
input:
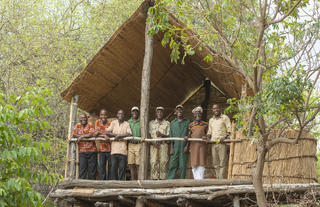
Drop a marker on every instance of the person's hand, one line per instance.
(222, 140)
(80, 138)
(156, 145)
(117, 137)
(185, 138)
(185, 150)
(171, 151)
(204, 138)
(106, 137)
(159, 134)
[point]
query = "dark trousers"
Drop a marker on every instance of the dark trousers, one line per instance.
(87, 165)
(103, 158)
(118, 166)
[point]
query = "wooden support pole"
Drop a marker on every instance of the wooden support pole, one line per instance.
(144, 104)
(140, 202)
(71, 147)
(236, 201)
(205, 103)
(231, 153)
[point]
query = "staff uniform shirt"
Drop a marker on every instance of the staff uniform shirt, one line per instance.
(85, 146)
(218, 127)
(135, 129)
(163, 127)
(119, 147)
(100, 127)
(179, 129)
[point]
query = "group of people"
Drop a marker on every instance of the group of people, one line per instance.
(119, 153)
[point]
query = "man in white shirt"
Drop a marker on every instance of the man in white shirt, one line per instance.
(219, 129)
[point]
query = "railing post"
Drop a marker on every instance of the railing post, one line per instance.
(71, 147)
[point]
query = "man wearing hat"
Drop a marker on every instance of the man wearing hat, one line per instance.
(134, 145)
(198, 150)
(178, 149)
(159, 128)
(219, 129)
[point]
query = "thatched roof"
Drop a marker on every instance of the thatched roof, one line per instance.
(112, 77)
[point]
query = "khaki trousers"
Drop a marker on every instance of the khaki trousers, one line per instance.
(219, 158)
(134, 154)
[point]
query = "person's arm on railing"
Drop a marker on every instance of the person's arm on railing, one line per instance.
(119, 136)
(186, 148)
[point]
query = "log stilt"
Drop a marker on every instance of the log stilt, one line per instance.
(144, 104)
(140, 202)
(112, 204)
(127, 201)
(236, 201)
(183, 202)
(101, 204)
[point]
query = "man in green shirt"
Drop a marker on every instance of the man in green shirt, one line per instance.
(134, 145)
(178, 149)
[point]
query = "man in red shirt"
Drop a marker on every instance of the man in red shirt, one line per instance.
(87, 149)
(105, 147)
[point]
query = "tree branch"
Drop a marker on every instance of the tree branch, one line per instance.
(284, 16)
(254, 10)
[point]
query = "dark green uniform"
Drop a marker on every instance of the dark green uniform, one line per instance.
(179, 159)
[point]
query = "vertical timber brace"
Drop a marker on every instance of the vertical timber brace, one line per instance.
(205, 103)
(144, 104)
(71, 147)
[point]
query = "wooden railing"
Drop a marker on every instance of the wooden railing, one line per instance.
(157, 139)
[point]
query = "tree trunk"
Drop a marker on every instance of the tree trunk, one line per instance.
(144, 104)
(257, 176)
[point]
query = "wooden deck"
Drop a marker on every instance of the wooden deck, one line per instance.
(208, 192)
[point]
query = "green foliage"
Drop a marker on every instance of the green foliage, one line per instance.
(43, 43)
(279, 52)
(21, 156)
(173, 36)
(318, 166)
(282, 96)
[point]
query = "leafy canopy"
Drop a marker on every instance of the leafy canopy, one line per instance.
(22, 157)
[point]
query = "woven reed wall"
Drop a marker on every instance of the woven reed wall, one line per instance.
(286, 163)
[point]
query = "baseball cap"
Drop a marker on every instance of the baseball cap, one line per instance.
(159, 108)
(179, 106)
(135, 108)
